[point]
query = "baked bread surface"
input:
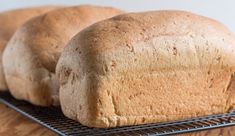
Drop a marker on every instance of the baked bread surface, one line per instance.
(147, 67)
(32, 54)
(9, 22)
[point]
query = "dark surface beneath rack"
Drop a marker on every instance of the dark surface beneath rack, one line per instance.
(53, 119)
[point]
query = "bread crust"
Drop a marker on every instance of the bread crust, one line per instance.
(9, 22)
(32, 54)
(147, 67)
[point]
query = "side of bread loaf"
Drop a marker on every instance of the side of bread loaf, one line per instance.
(30, 57)
(9, 22)
(147, 67)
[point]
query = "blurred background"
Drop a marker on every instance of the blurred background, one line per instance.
(222, 10)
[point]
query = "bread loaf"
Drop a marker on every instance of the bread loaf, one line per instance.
(31, 55)
(9, 22)
(148, 67)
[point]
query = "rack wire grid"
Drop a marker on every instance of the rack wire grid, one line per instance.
(53, 119)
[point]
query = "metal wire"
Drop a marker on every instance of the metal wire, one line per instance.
(53, 119)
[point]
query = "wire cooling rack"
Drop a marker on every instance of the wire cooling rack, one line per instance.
(53, 119)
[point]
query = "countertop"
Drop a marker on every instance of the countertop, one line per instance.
(14, 124)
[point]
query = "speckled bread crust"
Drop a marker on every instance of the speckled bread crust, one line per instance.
(31, 55)
(9, 22)
(147, 67)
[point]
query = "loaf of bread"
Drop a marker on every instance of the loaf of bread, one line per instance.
(9, 22)
(148, 67)
(31, 55)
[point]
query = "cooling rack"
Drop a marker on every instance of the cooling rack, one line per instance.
(53, 119)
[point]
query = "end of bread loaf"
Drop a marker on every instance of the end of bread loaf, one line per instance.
(10, 21)
(32, 53)
(27, 79)
(148, 67)
(26, 76)
(78, 92)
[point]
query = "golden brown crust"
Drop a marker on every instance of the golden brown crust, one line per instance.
(147, 67)
(9, 22)
(36, 47)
